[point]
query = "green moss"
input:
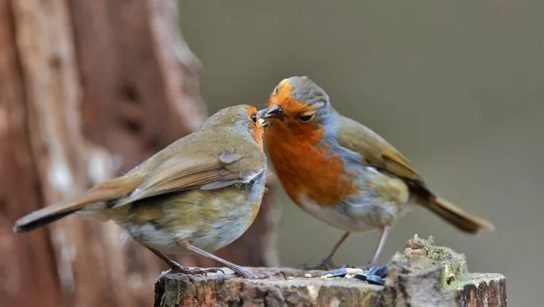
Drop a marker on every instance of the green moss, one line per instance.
(474, 279)
(421, 255)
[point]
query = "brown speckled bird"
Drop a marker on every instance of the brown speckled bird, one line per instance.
(197, 195)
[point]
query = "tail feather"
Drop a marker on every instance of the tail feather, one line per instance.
(456, 216)
(109, 190)
(52, 213)
(42, 217)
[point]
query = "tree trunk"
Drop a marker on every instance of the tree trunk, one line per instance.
(422, 275)
(20, 187)
(89, 89)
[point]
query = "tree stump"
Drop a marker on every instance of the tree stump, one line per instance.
(421, 275)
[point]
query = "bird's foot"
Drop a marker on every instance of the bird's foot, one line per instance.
(240, 271)
(251, 273)
(193, 271)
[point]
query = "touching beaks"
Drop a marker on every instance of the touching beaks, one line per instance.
(273, 112)
(263, 122)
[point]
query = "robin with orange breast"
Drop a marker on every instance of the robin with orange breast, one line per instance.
(197, 195)
(340, 171)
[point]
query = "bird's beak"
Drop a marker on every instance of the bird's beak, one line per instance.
(273, 112)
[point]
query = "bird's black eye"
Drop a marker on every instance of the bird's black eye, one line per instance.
(254, 117)
(306, 117)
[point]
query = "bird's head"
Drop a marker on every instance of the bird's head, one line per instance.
(243, 118)
(297, 104)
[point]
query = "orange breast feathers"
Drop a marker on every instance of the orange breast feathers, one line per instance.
(304, 167)
(256, 128)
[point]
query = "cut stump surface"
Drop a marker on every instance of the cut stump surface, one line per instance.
(421, 275)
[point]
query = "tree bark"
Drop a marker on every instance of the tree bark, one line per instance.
(89, 89)
(20, 186)
(422, 275)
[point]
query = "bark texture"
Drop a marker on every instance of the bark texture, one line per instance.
(88, 89)
(422, 275)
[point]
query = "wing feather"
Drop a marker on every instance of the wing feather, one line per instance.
(376, 151)
(181, 173)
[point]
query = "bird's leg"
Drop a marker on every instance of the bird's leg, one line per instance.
(171, 263)
(244, 272)
(379, 247)
(174, 266)
(371, 273)
(327, 263)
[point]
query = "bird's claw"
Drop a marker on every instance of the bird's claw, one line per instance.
(252, 274)
(194, 271)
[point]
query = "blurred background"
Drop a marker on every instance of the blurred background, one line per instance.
(90, 89)
(457, 86)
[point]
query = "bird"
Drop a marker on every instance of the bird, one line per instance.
(342, 172)
(197, 195)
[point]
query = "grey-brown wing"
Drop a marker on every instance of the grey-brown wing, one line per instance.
(181, 173)
(376, 151)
